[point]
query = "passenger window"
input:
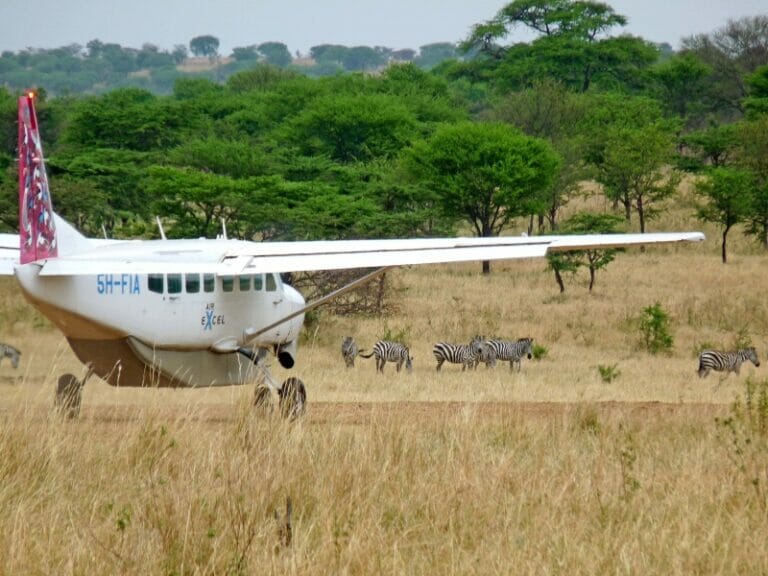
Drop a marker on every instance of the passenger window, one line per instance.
(227, 283)
(258, 282)
(271, 284)
(245, 283)
(174, 283)
(155, 283)
(192, 283)
(209, 282)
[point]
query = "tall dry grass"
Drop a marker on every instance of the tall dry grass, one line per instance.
(548, 471)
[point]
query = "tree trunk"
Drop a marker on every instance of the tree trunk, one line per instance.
(559, 280)
(725, 237)
(591, 277)
(486, 267)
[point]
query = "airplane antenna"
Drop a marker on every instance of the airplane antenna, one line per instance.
(224, 229)
(160, 226)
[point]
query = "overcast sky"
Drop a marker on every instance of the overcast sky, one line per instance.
(304, 23)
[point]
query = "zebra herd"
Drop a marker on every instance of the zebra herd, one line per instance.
(479, 350)
(468, 355)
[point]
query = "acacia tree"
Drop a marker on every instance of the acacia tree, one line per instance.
(752, 154)
(548, 110)
(593, 260)
(572, 43)
(484, 173)
(634, 168)
(732, 51)
(729, 193)
(206, 45)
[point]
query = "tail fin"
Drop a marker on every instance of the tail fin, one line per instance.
(37, 230)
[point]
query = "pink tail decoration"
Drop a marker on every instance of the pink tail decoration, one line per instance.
(37, 230)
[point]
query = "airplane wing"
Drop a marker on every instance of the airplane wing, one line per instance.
(258, 257)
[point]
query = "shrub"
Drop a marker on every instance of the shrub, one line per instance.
(608, 373)
(654, 325)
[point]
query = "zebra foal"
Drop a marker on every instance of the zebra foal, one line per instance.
(349, 351)
(386, 350)
(464, 354)
(725, 361)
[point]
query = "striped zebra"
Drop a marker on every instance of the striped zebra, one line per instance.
(349, 351)
(465, 354)
(386, 350)
(725, 361)
(8, 351)
(507, 350)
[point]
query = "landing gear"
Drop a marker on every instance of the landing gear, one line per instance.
(262, 400)
(69, 395)
(292, 393)
(293, 398)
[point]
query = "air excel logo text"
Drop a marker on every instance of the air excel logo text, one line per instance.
(209, 319)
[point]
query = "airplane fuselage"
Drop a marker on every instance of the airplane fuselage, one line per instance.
(172, 314)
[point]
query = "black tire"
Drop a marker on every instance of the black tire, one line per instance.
(69, 396)
(262, 400)
(293, 398)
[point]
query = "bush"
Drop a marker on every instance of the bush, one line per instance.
(654, 325)
(608, 373)
(538, 351)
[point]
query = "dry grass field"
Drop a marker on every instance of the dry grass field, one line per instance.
(548, 471)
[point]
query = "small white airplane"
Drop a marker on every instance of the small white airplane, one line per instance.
(204, 312)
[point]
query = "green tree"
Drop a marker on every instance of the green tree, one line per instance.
(130, 119)
(484, 173)
(361, 58)
(325, 53)
(206, 46)
(245, 53)
(548, 110)
(733, 51)
(630, 146)
(572, 45)
(275, 53)
(593, 260)
(756, 103)
(728, 192)
(713, 146)
(752, 154)
(353, 128)
(681, 82)
(196, 202)
(430, 55)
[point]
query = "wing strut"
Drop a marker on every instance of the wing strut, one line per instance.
(251, 333)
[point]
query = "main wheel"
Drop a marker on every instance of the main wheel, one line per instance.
(69, 395)
(293, 398)
(262, 400)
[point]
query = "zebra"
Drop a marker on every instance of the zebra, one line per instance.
(8, 351)
(465, 354)
(725, 361)
(394, 352)
(512, 351)
(487, 355)
(349, 351)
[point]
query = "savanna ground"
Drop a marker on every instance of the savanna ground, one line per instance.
(548, 471)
